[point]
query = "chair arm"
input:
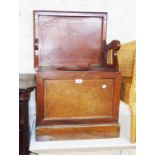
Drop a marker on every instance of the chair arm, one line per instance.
(114, 46)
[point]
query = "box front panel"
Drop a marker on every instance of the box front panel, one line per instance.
(78, 98)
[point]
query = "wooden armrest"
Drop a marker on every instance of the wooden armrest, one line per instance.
(114, 46)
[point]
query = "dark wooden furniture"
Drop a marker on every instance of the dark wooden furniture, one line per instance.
(78, 92)
(26, 85)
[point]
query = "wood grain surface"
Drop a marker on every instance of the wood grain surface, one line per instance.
(77, 132)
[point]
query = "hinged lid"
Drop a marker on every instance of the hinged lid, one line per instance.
(69, 38)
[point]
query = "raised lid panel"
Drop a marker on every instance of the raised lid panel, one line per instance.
(69, 38)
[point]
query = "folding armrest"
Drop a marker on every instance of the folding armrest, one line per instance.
(114, 46)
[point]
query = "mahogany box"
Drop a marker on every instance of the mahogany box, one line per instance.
(78, 92)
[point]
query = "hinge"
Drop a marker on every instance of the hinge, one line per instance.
(46, 65)
(96, 65)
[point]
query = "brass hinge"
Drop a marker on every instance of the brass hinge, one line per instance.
(96, 65)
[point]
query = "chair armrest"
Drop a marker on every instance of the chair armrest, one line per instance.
(114, 46)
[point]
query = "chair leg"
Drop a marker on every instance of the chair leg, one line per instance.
(133, 127)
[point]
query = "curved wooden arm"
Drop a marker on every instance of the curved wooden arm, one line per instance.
(115, 46)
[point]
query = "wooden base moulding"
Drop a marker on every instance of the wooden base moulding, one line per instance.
(70, 132)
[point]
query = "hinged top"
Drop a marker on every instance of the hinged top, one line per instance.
(69, 38)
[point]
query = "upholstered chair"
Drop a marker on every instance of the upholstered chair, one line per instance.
(127, 66)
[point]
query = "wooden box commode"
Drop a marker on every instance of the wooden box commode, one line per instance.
(78, 92)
